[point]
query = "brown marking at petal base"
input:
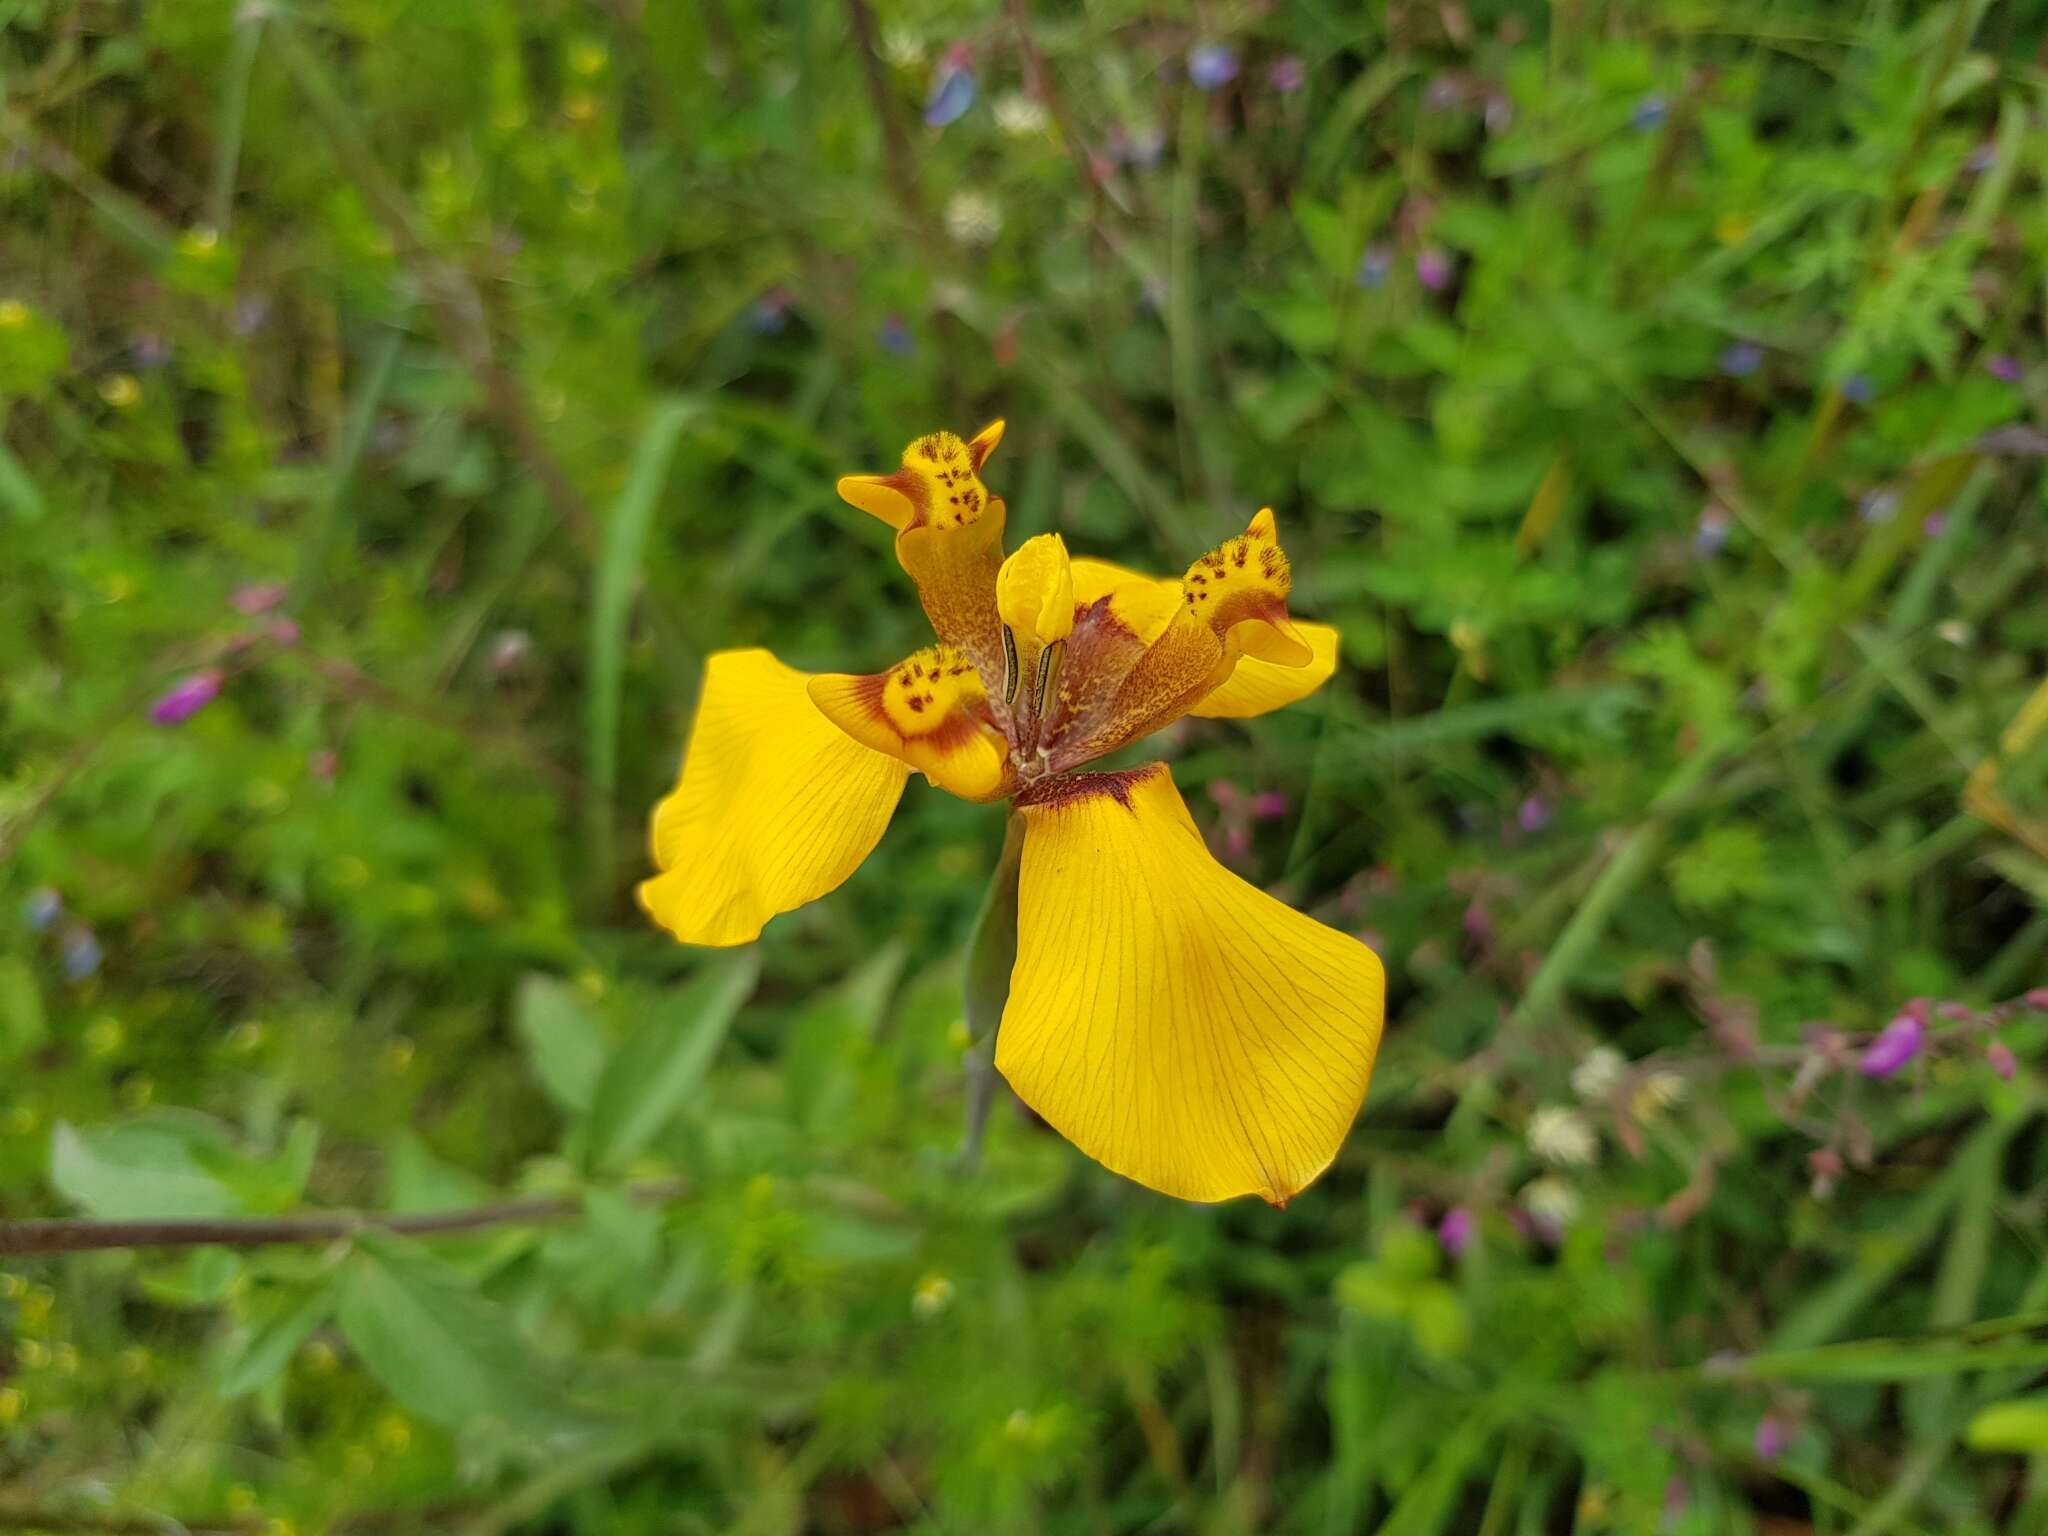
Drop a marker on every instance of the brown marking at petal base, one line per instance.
(1070, 788)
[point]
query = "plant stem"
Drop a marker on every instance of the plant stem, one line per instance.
(28, 1238)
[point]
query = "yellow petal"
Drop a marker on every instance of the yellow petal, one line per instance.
(776, 805)
(1178, 1025)
(928, 711)
(1143, 604)
(1035, 590)
(1255, 687)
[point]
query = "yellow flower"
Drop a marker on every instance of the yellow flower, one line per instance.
(1178, 1025)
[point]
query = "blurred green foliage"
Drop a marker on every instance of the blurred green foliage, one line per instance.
(1650, 394)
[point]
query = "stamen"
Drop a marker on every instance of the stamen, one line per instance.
(1010, 666)
(1051, 660)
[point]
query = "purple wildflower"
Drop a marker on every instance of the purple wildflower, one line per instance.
(82, 954)
(1740, 359)
(1211, 65)
(1934, 525)
(1225, 793)
(282, 630)
(1533, 815)
(41, 908)
(1287, 74)
(1896, 1044)
(1858, 390)
(2002, 1060)
(2037, 999)
(1650, 113)
(1237, 841)
(895, 336)
(1433, 268)
(952, 94)
(1478, 921)
(2003, 367)
(1268, 805)
(1374, 266)
(1454, 1232)
(1770, 1438)
(187, 697)
(323, 765)
(151, 352)
(257, 597)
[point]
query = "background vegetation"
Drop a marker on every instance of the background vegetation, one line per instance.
(401, 399)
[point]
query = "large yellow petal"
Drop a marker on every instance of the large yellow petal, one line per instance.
(776, 805)
(1176, 1024)
(930, 711)
(1255, 687)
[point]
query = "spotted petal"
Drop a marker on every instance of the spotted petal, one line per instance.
(949, 537)
(775, 807)
(1176, 1024)
(929, 711)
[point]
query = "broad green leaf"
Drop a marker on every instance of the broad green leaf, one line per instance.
(442, 1350)
(143, 1169)
(23, 1025)
(657, 1068)
(257, 1352)
(564, 1039)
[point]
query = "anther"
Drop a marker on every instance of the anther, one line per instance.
(1011, 669)
(1049, 663)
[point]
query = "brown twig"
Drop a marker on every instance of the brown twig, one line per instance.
(21, 1238)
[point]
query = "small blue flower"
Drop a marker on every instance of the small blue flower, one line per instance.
(41, 908)
(1211, 65)
(770, 314)
(1857, 389)
(1374, 266)
(1711, 536)
(82, 954)
(952, 94)
(895, 337)
(1741, 358)
(1650, 113)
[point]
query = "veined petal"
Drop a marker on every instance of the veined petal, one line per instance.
(1255, 687)
(1181, 1027)
(930, 711)
(775, 807)
(949, 536)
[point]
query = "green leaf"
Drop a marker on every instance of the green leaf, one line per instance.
(563, 1037)
(649, 1077)
(23, 1025)
(618, 576)
(258, 1351)
(992, 951)
(443, 1351)
(144, 1169)
(2019, 1424)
